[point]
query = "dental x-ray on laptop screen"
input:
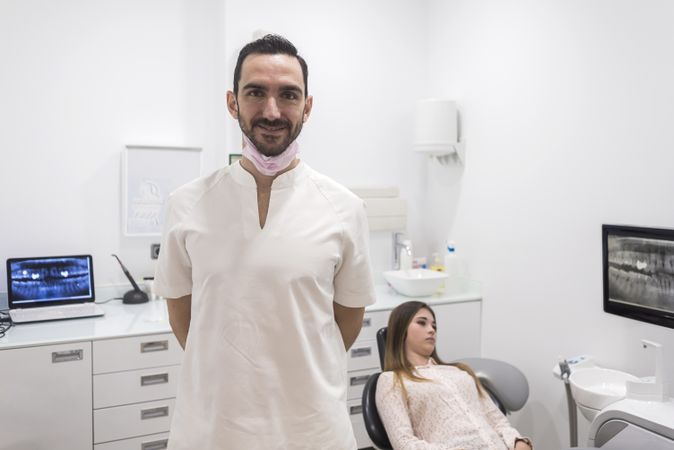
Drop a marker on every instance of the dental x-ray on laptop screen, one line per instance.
(638, 273)
(50, 288)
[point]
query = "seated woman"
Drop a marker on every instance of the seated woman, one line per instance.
(426, 404)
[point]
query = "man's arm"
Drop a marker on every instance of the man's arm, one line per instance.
(349, 321)
(180, 314)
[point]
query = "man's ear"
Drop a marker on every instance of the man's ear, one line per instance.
(232, 106)
(308, 104)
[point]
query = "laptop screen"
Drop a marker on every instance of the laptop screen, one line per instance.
(47, 281)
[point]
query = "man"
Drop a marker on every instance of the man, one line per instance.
(266, 270)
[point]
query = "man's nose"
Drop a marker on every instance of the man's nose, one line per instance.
(271, 110)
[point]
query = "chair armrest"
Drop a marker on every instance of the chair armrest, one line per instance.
(504, 380)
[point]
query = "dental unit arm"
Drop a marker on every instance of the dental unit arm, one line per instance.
(565, 373)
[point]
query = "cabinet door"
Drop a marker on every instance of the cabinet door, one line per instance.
(45, 397)
(459, 330)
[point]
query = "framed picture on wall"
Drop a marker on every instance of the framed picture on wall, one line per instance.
(149, 175)
(234, 157)
(638, 273)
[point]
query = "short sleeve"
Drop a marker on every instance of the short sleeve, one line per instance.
(173, 275)
(353, 283)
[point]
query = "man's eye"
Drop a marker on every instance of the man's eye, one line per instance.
(255, 93)
(289, 95)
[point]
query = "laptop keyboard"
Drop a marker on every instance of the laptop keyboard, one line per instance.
(56, 312)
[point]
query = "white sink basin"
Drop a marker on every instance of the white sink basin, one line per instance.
(415, 282)
(596, 387)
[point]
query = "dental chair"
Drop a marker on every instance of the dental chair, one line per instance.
(505, 384)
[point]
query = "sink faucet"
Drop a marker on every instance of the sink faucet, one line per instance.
(400, 244)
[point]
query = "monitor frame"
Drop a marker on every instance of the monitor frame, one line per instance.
(632, 310)
(12, 303)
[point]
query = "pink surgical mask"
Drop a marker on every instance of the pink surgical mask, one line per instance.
(269, 165)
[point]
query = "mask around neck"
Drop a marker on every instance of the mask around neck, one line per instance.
(269, 165)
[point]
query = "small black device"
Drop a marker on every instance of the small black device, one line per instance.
(136, 295)
(638, 273)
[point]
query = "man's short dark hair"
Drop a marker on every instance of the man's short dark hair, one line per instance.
(271, 44)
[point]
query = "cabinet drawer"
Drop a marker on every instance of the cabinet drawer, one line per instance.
(137, 352)
(151, 442)
(121, 388)
(356, 382)
(372, 322)
(121, 422)
(359, 431)
(363, 355)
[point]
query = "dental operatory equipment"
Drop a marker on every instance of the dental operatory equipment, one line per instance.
(136, 295)
(648, 390)
(565, 372)
(625, 412)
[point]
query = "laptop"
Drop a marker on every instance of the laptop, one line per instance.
(51, 288)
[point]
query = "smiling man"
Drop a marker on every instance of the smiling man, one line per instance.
(265, 265)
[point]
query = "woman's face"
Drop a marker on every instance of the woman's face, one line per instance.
(420, 341)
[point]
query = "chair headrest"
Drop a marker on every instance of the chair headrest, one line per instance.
(381, 345)
(504, 380)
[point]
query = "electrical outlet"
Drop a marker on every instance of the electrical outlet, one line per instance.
(154, 251)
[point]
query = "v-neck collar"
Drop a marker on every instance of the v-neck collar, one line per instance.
(285, 180)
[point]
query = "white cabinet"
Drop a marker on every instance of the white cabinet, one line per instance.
(134, 384)
(45, 394)
(110, 394)
(363, 361)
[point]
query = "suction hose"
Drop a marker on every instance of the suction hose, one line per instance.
(571, 403)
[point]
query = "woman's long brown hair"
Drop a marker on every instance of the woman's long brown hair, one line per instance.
(394, 355)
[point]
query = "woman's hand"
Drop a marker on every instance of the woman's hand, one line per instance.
(522, 445)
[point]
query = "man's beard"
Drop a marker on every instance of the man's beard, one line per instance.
(274, 149)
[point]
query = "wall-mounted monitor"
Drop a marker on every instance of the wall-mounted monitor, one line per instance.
(638, 271)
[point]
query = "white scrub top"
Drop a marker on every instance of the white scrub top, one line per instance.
(264, 364)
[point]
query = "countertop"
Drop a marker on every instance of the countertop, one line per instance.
(122, 320)
(455, 291)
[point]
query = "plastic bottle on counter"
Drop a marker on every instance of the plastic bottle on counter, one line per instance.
(436, 263)
(454, 264)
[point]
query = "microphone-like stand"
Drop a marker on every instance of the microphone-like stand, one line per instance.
(136, 295)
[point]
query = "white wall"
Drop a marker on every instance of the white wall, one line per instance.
(80, 80)
(566, 107)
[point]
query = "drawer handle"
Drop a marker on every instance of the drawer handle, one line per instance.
(149, 380)
(360, 352)
(69, 355)
(358, 409)
(154, 413)
(355, 381)
(155, 346)
(154, 445)
(367, 322)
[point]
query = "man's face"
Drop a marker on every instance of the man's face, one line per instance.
(270, 105)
